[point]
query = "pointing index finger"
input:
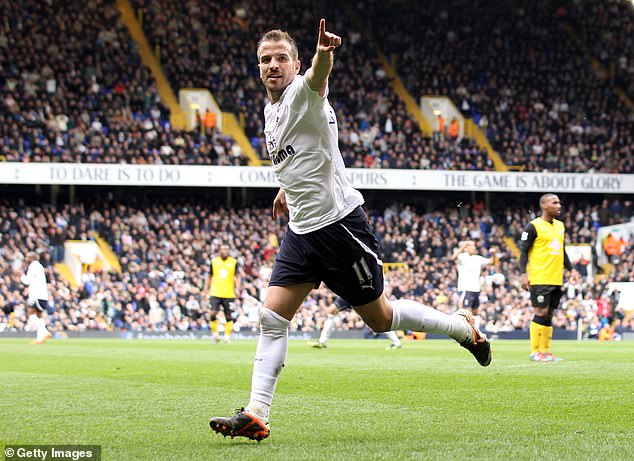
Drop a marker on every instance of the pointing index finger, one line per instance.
(322, 27)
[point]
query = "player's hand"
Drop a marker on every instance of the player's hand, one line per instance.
(524, 281)
(280, 206)
(327, 41)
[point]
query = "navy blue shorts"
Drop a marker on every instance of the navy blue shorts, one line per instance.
(41, 305)
(343, 255)
(470, 299)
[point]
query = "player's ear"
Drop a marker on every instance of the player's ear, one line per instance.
(298, 66)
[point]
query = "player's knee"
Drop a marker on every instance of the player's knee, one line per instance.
(379, 324)
(272, 323)
(549, 317)
(377, 315)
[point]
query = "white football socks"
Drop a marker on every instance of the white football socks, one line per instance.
(33, 322)
(329, 326)
(39, 325)
(42, 331)
(476, 321)
(393, 337)
(270, 356)
(411, 315)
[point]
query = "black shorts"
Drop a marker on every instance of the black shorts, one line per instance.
(546, 296)
(226, 303)
(470, 299)
(343, 255)
(41, 305)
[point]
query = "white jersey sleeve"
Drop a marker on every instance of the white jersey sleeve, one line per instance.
(302, 140)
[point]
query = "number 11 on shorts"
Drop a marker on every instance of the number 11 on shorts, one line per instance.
(363, 274)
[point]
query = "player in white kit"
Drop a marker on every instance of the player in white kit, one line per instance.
(328, 238)
(37, 302)
(469, 268)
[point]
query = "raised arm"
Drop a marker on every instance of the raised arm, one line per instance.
(317, 75)
(29, 277)
(459, 250)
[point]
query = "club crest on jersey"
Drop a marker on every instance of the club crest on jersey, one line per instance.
(282, 154)
(271, 142)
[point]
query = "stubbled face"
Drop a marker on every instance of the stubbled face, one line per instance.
(277, 67)
(224, 251)
(552, 206)
(471, 248)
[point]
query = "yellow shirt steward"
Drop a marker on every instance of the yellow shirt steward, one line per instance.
(223, 277)
(545, 244)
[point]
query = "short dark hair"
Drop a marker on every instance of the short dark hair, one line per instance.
(277, 35)
(545, 197)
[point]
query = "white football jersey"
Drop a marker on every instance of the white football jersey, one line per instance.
(35, 278)
(469, 268)
(302, 139)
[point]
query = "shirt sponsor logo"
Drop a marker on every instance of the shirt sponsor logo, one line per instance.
(282, 155)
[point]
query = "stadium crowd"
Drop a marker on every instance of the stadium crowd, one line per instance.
(73, 89)
(506, 73)
(375, 129)
(519, 74)
(89, 99)
(165, 248)
(607, 29)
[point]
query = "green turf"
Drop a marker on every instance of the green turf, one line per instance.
(355, 400)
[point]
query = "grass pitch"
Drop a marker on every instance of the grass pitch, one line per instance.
(353, 401)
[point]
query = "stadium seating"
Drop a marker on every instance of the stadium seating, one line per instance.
(375, 129)
(91, 100)
(607, 29)
(73, 90)
(519, 74)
